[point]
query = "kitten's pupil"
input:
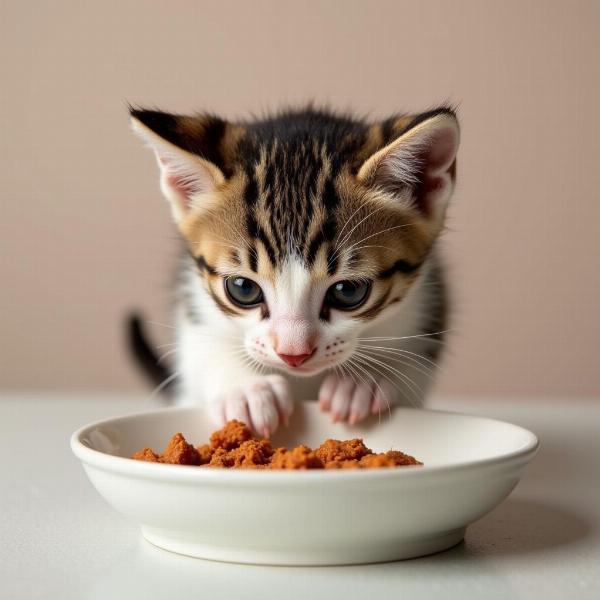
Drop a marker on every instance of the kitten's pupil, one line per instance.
(243, 291)
(345, 289)
(348, 294)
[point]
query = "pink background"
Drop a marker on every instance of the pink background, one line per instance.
(85, 235)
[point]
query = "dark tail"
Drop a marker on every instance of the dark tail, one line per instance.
(147, 359)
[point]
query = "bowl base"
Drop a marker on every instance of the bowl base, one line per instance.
(400, 549)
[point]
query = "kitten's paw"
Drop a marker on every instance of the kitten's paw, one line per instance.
(348, 400)
(263, 405)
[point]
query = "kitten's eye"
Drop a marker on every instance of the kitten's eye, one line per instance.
(347, 295)
(243, 292)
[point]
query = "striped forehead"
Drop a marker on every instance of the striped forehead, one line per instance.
(290, 197)
(293, 167)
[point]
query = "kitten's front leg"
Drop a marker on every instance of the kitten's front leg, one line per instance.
(263, 403)
(212, 373)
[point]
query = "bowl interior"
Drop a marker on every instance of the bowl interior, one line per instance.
(436, 438)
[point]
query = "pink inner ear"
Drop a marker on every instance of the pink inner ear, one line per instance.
(441, 150)
(435, 158)
(429, 192)
(180, 180)
(179, 184)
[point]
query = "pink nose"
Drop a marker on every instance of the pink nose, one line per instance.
(295, 360)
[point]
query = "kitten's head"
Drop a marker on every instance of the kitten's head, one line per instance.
(307, 226)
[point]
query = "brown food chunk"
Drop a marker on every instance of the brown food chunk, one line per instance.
(253, 453)
(250, 454)
(376, 461)
(205, 453)
(401, 460)
(300, 457)
(146, 454)
(336, 450)
(392, 458)
(221, 458)
(342, 464)
(230, 436)
(179, 452)
(234, 447)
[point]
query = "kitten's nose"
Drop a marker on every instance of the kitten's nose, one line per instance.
(294, 339)
(295, 360)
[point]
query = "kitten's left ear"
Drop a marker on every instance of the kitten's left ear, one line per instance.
(420, 161)
(186, 149)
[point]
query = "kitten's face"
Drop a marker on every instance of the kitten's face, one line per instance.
(298, 296)
(305, 232)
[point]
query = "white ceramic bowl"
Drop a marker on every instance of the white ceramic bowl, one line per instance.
(309, 517)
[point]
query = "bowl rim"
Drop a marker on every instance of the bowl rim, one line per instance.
(166, 472)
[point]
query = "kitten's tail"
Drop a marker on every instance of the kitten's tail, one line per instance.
(146, 358)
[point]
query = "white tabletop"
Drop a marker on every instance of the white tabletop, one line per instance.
(58, 538)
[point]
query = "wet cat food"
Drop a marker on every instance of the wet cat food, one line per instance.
(234, 447)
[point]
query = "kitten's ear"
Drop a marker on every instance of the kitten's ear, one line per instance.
(419, 159)
(186, 149)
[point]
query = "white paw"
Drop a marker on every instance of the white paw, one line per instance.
(353, 401)
(263, 405)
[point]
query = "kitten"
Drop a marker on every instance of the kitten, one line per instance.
(310, 266)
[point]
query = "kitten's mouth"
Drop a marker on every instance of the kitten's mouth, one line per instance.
(313, 366)
(307, 370)
(304, 370)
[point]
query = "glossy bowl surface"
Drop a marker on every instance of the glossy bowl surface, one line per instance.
(309, 517)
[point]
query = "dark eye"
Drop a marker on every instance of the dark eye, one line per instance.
(347, 295)
(243, 292)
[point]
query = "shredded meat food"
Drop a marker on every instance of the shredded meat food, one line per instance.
(234, 447)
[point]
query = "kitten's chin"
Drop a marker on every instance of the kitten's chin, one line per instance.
(303, 371)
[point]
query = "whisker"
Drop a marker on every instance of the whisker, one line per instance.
(401, 351)
(339, 244)
(160, 324)
(398, 373)
(351, 372)
(375, 246)
(405, 337)
(347, 248)
(417, 366)
(163, 384)
(161, 358)
(368, 366)
(418, 392)
(376, 383)
(349, 220)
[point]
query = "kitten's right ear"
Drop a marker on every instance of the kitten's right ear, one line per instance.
(418, 162)
(186, 151)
